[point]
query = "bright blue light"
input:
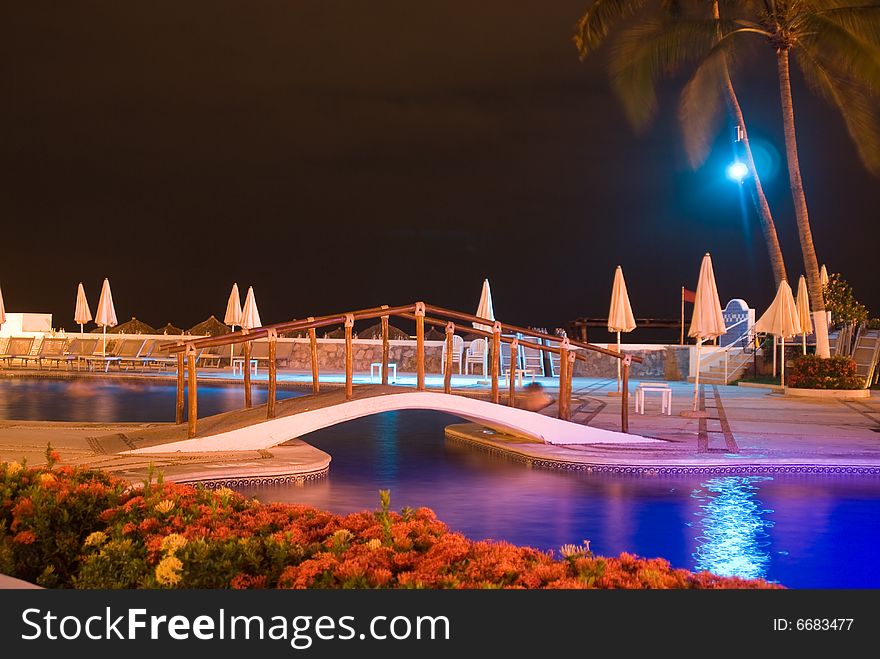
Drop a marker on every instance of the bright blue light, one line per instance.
(737, 171)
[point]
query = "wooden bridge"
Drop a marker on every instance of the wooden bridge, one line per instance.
(491, 413)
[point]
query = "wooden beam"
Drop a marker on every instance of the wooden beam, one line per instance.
(247, 374)
(447, 372)
(563, 381)
(313, 341)
(349, 358)
(385, 350)
(273, 368)
(192, 393)
(420, 346)
(178, 417)
(514, 355)
(496, 360)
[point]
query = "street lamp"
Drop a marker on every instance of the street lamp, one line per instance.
(737, 171)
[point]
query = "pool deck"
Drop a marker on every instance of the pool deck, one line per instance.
(747, 430)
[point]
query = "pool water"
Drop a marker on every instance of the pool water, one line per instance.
(801, 531)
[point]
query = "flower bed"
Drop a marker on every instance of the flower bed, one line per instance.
(66, 527)
(812, 372)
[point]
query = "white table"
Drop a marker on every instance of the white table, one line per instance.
(662, 388)
(238, 367)
(520, 373)
(376, 371)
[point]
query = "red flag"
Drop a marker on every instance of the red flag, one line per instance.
(688, 296)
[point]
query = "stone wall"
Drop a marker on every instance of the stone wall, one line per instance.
(669, 362)
(331, 355)
(661, 362)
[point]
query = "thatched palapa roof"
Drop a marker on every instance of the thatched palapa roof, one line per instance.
(375, 332)
(169, 329)
(209, 327)
(434, 334)
(133, 326)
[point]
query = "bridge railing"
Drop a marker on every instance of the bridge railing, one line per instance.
(568, 350)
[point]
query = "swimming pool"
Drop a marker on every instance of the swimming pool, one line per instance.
(802, 531)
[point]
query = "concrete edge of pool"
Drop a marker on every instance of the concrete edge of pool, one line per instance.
(643, 460)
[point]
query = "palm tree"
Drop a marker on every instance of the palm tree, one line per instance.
(593, 29)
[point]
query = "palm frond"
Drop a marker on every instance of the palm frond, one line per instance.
(841, 52)
(859, 110)
(598, 21)
(700, 107)
(861, 22)
(651, 50)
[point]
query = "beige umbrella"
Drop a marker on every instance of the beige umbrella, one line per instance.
(2, 309)
(106, 315)
(82, 314)
(781, 319)
(620, 315)
(233, 315)
(250, 317)
(803, 309)
(484, 309)
(823, 276)
(707, 321)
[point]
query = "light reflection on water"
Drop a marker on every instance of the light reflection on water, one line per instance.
(733, 538)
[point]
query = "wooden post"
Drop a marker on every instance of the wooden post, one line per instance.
(681, 341)
(385, 349)
(569, 374)
(496, 357)
(514, 354)
(192, 393)
(313, 340)
(273, 368)
(563, 380)
(247, 374)
(624, 395)
(420, 346)
(447, 373)
(180, 381)
(349, 360)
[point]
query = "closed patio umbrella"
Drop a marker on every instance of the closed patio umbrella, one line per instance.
(823, 276)
(2, 309)
(803, 308)
(484, 309)
(250, 317)
(233, 314)
(707, 321)
(82, 314)
(106, 314)
(620, 315)
(781, 319)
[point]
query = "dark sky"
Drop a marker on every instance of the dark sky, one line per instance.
(337, 154)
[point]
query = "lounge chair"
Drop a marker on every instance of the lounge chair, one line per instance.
(19, 347)
(532, 358)
(457, 352)
(213, 356)
(126, 349)
(51, 349)
(128, 358)
(159, 356)
(506, 366)
(477, 353)
(79, 349)
(260, 352)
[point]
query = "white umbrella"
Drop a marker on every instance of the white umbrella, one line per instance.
(781, 319)
(82, 314)
(2, 309)
(484, 309)
(823, 276)
(233, 315)
(803, 308)
(620, 315)
(707, 321)
(250, 317)
(106, 315)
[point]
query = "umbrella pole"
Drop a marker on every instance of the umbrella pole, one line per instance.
(80, 328)
(618, 363)
(104, 346)
(231, 349)
(782, 364)
(774, 355)
(804, 336)
(697, 376)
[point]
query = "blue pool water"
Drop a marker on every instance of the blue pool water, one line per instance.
(802, 531)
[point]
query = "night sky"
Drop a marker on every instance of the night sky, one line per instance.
(339, 154)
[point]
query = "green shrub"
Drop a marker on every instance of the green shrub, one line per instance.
(812, 372)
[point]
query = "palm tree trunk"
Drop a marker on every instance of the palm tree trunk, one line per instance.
(811, 264)
(765, 218)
